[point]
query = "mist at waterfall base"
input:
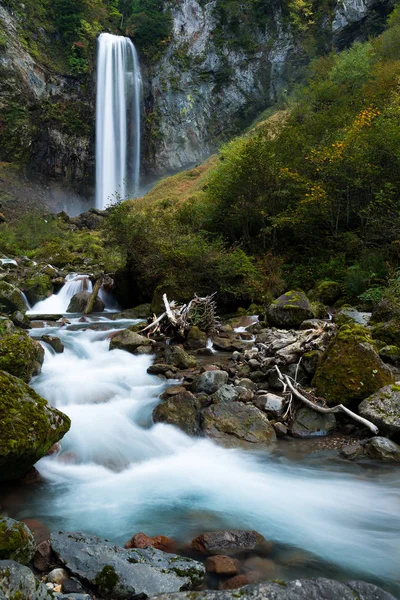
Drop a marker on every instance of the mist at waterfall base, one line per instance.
(118, 473)
(118, 98)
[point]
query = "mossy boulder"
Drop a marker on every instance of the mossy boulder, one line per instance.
(390, 354)
(289, 310)
(38, 287)
(350, 369)
(196, 339)
(387, 309)
(29, 427)
(383, 409)
(388, 332)
(20, 355)
(79, 301)
(327, 292)
(16, 541)
(348, 315)
(143, 311)
(176, 356)
(11, 298)
(129, 341)
(319, 310)
(181, 410)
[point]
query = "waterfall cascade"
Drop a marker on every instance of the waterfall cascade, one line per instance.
(119, 91)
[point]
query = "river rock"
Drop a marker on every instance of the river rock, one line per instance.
(181, 410)
(11, 298)
(196, 339)
(350, 316)
(209, 382)
(129, 341)
(79, 301)
(29, 427)
(226, 393)
(38, 286)
(222, 565)
(54, 342)
(309, 423)
(387, 309)
(383, 409)
(20, 319)
(143, 311)
(176, 356)
(237, 424)
(289, 310)
(118, 573)
(299, 589)
(19, 583)
(390, 354)
(230, 542)
(57, 576)
(327, 292)
(16, 541)
(20, 355)
(351, 369)
(42, 558)
(160, 542)
(389, 332)
(270, 403)
(383, 449)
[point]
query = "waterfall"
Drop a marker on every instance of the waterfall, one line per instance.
(58, 303)
(119, 90)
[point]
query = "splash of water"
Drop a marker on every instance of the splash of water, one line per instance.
(119, 91)
(58, 303)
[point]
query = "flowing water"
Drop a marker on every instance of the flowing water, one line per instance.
(118, 473)
(118, 98)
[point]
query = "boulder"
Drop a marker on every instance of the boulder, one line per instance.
(16, 541)
(129, 341)
(236, 424)
(79, 301)
(387, 309)
(54, 342)
(120, 574)
(176, 356)
(270, 403)
(209, 382)
(299, 589)
(327, 292)
(309, 423)
(390, 354)
(389, 333)
(143, 311)
(19, 583)
(196, 339)
(20, 319)
(29, 427)
(349, 315)
(383, 409)
(20, 355)
(382, 449)
(181, 410)
(350, 369)
(289, 310)
(11, 298)
(226, 393)
(230, 542)
(38, 287)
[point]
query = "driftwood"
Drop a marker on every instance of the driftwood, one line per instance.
(294, 388)
(176, 320)
(103, 281)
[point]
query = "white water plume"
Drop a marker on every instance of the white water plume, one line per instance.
(119, 91)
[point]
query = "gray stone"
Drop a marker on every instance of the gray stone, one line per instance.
(298, 589)
(17, 581)
(383, 449)
(236, 424)
(209, 382)
(181, 410)
(54, 342)
(176, 356)
(383, 409)
(289, 310)
(270, 403)
(11, 298)
(118, 573)
(226, 393)
(309, 423)
(247, 383)
(129, 341)
(230, 542)
(79, 301)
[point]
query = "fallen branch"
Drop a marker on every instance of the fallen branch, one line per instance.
(335, 409)
(92, 299)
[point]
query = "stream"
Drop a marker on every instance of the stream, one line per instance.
(118, 473)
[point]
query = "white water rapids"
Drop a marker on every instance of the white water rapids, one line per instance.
(118, 473)
(118, 98)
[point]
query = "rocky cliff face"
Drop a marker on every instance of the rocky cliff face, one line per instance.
(202, 91)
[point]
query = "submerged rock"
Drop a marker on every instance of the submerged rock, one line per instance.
(289, 310)
(230, 542)
(181, 410)
(16, 541)
(79, 301)
(119, 573)
(299, 589)
(351, 369)
(309, 423)
(20, 355)
(383, 409)
(237, 424)
(11, 298)
(54, 342)
(29, 427)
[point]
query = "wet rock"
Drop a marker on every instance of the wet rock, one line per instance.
(38, 286)
(226, 393)
(181, 410)
(289, 310)
(119, 573)
(176, 356)
(229, 345)
(20, 355)
(352, 451)
(383, 409)
(19, 583)
(160, 369)
(222, 565)
(58, 576)
(160, 542)
(234, 583)
(309, 423)
(196, 339)
(20, 319)
(129, 341)
(144, 350)
(327, 292)
(266, 568)
(298, 589)
(42, 557)
(280, 429)
(270, 403)
(237, 424)
(29, 427)
(11, 298)
(230, 542)
(312, 324)
(382, 449)
(351, 369)
(54, 342)
(16, 541)
(209, 382)
(79, 301)
(143, 311)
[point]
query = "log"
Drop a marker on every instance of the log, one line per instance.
(92, 299)
(321, 409)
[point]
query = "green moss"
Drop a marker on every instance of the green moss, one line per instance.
(387, 332)
(20, 355)
(38, 287)
(16, 541)
(107, 579)
(395, 388)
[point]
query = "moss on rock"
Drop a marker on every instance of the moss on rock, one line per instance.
(29, 427)
(20, 355)
(38, 287)
(289, 310)
(327, 292)
(387, 332)
(16, 541)
(11, 298)
(351, 369)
